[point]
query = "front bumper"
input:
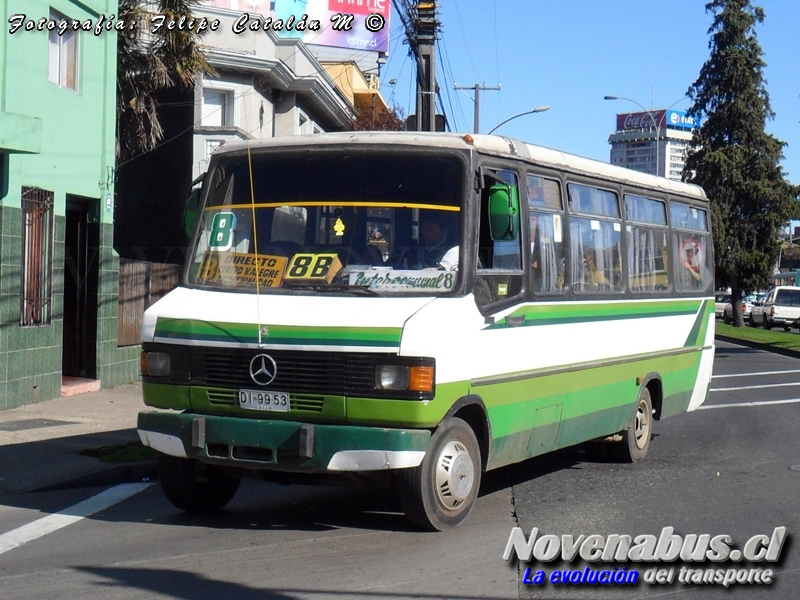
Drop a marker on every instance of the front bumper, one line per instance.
(289, 446)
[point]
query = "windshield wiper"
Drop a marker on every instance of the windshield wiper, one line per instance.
(357, 290)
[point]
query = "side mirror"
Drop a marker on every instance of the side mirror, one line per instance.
(190, 208)
(503, 212)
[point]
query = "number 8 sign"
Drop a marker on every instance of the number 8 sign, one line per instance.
(222, 231)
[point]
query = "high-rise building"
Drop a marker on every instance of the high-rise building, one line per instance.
(652, 142)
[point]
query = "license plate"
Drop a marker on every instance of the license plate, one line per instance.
(258, 400)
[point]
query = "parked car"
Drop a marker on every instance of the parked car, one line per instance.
(781, 308)
(757, 311)
(720, 300)
(747, 305)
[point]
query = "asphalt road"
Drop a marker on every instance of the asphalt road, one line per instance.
(732, 468)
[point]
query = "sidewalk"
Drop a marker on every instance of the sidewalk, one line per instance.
(40, 443)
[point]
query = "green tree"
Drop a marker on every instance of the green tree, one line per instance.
(150, 62)
(733, 157)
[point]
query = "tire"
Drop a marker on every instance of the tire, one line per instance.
(767, 324)
(725, 319)
(787, 328)
(636, 438)
(440, 493)
(196, 487)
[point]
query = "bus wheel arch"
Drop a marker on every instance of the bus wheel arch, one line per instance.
(637, 435)
(439, 493)
(654, 385)
(472, 411)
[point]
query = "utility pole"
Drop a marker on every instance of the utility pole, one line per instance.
(423, 43)
(477, 88)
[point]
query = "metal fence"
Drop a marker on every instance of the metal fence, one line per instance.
(140, 285)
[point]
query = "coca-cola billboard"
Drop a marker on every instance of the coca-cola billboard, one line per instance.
(664, 118)
(641, 120)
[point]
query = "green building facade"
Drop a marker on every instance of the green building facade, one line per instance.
(59, 274)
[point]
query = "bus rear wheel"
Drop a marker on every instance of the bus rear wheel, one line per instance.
(194, 486)
(440, 492)
(636, 438)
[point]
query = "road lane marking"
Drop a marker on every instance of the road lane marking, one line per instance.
(756, 374)
(753, 387)
(762, 403)
(41, 527)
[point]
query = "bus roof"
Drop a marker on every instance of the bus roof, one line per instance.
(487, 144)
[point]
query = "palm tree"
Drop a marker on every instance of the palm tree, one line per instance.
(148, 63)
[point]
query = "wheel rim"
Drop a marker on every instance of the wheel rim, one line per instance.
(455, 475)
(641, 434)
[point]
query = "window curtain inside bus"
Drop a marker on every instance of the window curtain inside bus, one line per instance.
(546, 252)
(595, 255)
(647, 260)
(646, 245)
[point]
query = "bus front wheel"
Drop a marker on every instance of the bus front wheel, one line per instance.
(196, 487)
(440, 492)
(636, 438)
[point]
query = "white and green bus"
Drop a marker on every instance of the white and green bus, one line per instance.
(417, 309)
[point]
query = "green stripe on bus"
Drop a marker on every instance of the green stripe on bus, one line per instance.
(587, 312)
(513, 405)
(550, 434)
(700, 325)
(217, 331)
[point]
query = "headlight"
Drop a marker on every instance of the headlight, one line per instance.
(413, 378)
(391, 377)
(155, 364)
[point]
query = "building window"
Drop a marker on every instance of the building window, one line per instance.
(303, 123)
(36, 293)
(217, 108)
(62, 66)
(211, 146)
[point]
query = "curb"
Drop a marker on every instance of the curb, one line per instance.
(112, 475)
(758, 346)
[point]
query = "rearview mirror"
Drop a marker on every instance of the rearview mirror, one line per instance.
(190, 208)
(503, 212)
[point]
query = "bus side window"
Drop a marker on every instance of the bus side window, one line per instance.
(548, 262)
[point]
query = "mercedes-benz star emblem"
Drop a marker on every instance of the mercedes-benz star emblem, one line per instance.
(263, 369)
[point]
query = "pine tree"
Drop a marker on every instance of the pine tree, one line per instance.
(733, 157)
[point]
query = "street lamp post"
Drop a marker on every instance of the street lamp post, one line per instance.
(653, 119)
(538, 109)
(649, 114)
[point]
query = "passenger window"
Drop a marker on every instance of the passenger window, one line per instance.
(690, 252)
(593, 201)
(548, 261)
(544, 193)
(648, 264)
(595, 255)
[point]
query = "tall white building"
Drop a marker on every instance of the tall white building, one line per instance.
(652, 142)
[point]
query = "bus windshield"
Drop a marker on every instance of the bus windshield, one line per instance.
(361, 222)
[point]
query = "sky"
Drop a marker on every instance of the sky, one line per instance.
(568, 54)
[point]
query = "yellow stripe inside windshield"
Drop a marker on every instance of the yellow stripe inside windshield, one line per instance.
(338, 203)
